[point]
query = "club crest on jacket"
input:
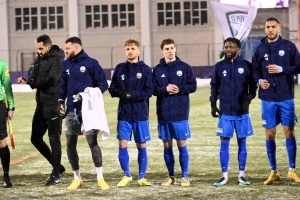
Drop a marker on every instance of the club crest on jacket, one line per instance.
(139, 75)
(281, 52)
(82, 69)
(241, 70)
(179, 73)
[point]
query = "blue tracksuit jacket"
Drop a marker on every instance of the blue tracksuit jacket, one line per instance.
(282, 53)
(137, 78)
(79, 73)
(232, 82)
(174, 107)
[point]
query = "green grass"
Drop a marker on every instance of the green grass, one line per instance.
(29, 175)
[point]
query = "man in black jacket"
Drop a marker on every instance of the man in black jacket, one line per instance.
(46, 78)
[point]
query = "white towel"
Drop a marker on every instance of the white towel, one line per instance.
(93, 113)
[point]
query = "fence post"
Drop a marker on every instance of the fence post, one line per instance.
(17, 60)
(208, 53)
(111, 57)
(22, 60)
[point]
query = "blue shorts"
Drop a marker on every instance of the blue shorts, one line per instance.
(179, 130)
(241, 124)
(282, 112)
(140, 131)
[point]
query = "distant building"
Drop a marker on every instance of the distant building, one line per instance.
(104, 25)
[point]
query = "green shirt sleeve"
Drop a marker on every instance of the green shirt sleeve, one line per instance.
(6, 83)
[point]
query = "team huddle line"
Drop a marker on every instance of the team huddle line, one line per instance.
(72, 89)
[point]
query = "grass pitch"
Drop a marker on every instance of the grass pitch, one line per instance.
(29, 169)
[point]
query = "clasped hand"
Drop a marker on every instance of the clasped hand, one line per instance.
(172, 89)
(21, 80)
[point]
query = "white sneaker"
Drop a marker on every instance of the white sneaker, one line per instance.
(221, 182)
(243, 181)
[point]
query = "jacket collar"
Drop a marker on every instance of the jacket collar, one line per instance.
(163, 61)
(79, 57)
(265, 40)
(127, 63)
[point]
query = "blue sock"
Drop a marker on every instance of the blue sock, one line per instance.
(242, 154)
(184, 160)
(169, 160)
(291, 148)
(142, 161)
(124, 160)
(224, 155)
(271, 151)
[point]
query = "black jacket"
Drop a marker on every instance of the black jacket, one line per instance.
(46, 75)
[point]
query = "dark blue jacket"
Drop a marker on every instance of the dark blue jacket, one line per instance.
(232, 82)
(282, 53)
(79, 73)
(173, 107)
(137, 78)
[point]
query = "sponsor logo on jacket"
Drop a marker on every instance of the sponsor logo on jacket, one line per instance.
(224, 73)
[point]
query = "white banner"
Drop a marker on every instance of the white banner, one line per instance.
(235, 20)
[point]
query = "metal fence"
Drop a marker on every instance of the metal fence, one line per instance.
(197, 55)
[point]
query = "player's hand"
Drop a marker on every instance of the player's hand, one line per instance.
(244, 108)
(60, 108)
(172, 89)
(22, 80)
(77, 99)
(215, 112)
(10, 114)
(272, 69)
(264, 84)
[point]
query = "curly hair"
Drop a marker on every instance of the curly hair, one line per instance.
(234, 41)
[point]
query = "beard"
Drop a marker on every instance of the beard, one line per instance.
(71, 55)
(273, 37)
(230, 56)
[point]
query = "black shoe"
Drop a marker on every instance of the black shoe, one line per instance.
(52, 180)
(61, 171)
(6, 181)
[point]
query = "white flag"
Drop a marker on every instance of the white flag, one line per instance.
(235, 20)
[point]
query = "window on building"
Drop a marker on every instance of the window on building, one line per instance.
(109, 16)
(96, 16)
(27, 18)
(182, 13)
(52, 18)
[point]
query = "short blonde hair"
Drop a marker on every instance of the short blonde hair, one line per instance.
(132, 41)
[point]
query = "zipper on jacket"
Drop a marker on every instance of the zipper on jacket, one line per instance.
(231, 91)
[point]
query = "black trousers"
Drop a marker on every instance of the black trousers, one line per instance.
(47, 118)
